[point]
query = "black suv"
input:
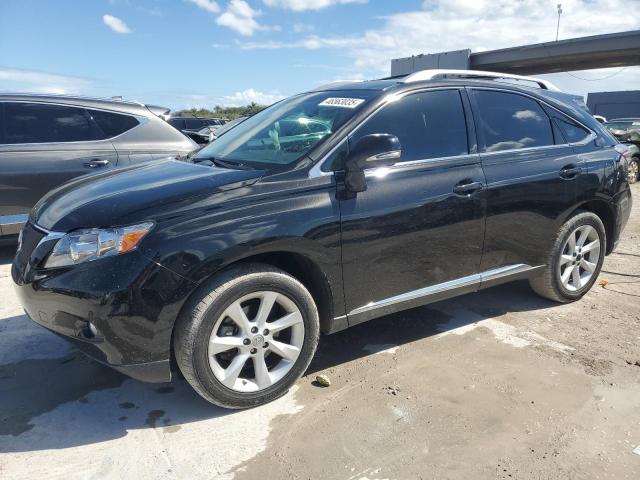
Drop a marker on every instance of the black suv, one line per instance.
(323, 211)
(46, 140)
(193, 127)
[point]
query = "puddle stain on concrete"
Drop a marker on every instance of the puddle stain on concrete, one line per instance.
(165, 389)
(171, 428)
(153, 416)
(48, 383)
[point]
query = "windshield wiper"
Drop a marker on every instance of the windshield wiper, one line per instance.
(222, 163)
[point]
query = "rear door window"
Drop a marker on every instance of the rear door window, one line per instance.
(113, 124)
(509, 121)
(428, 125)
(44, 123)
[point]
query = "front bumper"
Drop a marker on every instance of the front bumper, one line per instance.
(118, 310)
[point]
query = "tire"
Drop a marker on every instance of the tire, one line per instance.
(551, 283)
(634, 170)
(211, 335)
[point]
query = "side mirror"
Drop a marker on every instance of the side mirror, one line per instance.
(371, 151)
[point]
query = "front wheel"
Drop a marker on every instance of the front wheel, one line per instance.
(575, 260)
(634, 170)
(247, 336)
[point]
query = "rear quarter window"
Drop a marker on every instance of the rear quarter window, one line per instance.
(113, 124)
(571, 130)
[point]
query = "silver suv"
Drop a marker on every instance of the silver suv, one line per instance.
(47, 140)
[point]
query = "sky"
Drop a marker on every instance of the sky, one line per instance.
(201, 53)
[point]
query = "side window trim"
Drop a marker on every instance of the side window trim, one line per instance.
(545, 106)
(473, 142)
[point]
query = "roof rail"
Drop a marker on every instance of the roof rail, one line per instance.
(336, 83)
(438, 73)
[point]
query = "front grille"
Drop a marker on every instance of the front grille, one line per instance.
(30, 238)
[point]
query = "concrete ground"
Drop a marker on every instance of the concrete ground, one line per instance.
(497, 384)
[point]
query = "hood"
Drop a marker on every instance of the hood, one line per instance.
(125, 195)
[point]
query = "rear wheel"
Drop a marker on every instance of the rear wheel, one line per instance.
(247, 336)
(575, 260)
(634, 170)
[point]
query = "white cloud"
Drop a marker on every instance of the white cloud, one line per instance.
(241, 18)
(115, 24)
(154, 12)
(301, 5)
(443, 25)
(245, 97)
(477, 24)
(210, 6)
(239, 98)
(527, 115)
(16, 79)
(303, 27)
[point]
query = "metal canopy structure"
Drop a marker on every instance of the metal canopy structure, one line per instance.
(584, 53)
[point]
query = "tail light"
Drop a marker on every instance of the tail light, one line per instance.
(623, 150)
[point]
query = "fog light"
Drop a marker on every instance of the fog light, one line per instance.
(89, 330)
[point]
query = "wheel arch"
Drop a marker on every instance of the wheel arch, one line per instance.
(299, 266)
(605, 212)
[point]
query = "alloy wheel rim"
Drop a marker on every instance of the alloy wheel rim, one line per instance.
(256, 341)
(633, 171)
(579, 258)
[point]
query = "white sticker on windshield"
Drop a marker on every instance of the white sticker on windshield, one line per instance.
(341, 102)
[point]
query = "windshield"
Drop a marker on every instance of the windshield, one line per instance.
(284, 132)
(621, 125)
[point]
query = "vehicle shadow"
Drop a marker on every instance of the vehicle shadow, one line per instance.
(6, 254)
(91, 403)
(423, 322)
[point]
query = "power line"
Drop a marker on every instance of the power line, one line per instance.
(597, 79)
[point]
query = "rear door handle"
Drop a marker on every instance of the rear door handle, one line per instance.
(96, 163)
(467, 188)
(570, 171)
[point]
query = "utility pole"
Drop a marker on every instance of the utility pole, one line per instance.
(558, 27)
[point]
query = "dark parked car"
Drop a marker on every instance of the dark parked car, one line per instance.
(401, 192)
(193, 127)
(47, 140)
(218, 132)
(627, 131)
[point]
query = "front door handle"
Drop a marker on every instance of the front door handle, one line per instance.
(467, 188)
(570, 171)
(96, 163)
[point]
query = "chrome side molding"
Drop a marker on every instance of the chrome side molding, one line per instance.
(422, 292)
(476, 280)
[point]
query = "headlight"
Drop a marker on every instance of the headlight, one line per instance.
(94, 243)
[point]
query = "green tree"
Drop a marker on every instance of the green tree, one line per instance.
(222, 112)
